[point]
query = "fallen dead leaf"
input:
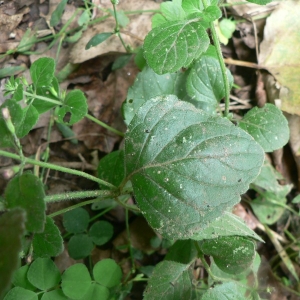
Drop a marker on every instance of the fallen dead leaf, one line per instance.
(136, 31)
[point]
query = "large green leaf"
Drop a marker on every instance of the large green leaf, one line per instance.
(18, 293)
(49, 242)
(225, 291)
(186, 166)
(232, 254)
(27, 191)
(170, 280)
(183, 251)
(12, 228)
(226, 225)
(175, 44)
(147, 85)
(268, 126)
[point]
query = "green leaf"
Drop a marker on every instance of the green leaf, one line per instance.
(121, 61)
(111, 168)
(265, 207)
(101, 232)
(27, 191)
(18, 95)
(107, 272)
(43, 274)
(170, 149)
(12, 229)
(268, 126)
(172, 10)
(42, 71)
(98, 39)
(76, 281)
(232, 254)
(42, 105)
(80, 246)
(16, 113)
(170, 280)
(49, 242)
(54, 295)
(260, 2)
(9, 71)
(123, 20)
(67, 132)
(20, 278)
(97, 291)
(205, 83)
(28, 40)
(226, 225)
(74, 104)
(76, 220)
(227, 27)
(182, 251)
(296, 199)
(84, 18)
(175, 44)
(192, 6)
(58, 12)
(18, 293)
(29, 119)
(225, 291)
(147, 85)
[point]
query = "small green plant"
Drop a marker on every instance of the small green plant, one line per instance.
(185, 163)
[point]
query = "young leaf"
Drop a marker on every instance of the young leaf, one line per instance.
(111, 168)
(205, 83)
(76, 281)
(226, 225)
(225, 291)
(98, 39)
(268, 126)
(18, 293)
(74, 104)
(58, 12)
(43, 274)
(27, 191)
(169, 163)
(107, 272)
(147, 85)
(16, 114)
(29, 119)
(101, 232)
(49, 242)
(42, 71)
(80, 246)
(96, 291)
(170, 280)
(175, 44)
(172, 10)
(76, 220)
(192, 6)
(12, 229)
(232, 254)
(20, 279)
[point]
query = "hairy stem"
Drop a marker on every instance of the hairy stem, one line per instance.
(56, 167)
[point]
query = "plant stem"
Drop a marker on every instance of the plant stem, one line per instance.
(129, 242)
(42, 98)
(105, 125)
(221, 62)
(79, 195)
(56, 167)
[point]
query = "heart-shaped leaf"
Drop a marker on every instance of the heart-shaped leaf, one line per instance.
(170, 280)
(186, 166)
(175, 44)
(268, 126)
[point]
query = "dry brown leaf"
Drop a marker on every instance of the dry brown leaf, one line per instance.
(136, 30)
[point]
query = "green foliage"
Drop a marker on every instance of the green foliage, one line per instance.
(224, 291)
(170, 280)
(27, 191)
(98, 39)
(49, 242)
(12, 225)
(57, 14)
(101, 232)
(268, 126)
(43, 274)
(166, 162)
(80, 246)
(76, 220)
